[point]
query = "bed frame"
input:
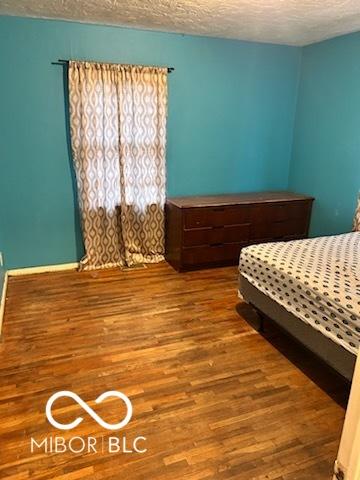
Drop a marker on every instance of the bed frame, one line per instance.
(333, 354)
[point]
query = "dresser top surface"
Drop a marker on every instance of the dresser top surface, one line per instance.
(236, 199)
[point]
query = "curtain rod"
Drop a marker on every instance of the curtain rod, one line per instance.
(66, 62)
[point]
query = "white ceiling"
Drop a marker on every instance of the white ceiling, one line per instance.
(292, 22)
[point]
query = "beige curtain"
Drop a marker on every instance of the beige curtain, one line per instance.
(118, 137)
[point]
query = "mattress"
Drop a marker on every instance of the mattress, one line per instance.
(317, 280)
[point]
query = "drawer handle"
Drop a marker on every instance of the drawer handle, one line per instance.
(215, 244)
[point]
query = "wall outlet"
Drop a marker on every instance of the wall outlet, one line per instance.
(1, 260)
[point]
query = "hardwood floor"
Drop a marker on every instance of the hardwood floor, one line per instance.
(214, 398)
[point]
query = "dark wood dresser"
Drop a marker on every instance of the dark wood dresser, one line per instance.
(211, 230)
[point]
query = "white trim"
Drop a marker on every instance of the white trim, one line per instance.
(43, 269)
(349, 451)
(3, 299)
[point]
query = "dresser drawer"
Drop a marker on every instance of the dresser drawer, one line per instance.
(236, 233)
(289, 228)
(279, 212)
(215, 216)
(212, 254)
(215, 235)
(278, 230)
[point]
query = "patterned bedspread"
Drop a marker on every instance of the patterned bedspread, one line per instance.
(317, 280)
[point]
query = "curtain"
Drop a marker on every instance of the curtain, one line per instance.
(118, 139)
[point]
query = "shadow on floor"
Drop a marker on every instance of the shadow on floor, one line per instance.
(333, 384)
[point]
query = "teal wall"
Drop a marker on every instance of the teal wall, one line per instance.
(326, 150)
(2, 273)
(2, 279)
(231, 113)
(2, 267)
(2, 276)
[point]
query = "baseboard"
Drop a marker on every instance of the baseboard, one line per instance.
(43, 269)
(3, 299)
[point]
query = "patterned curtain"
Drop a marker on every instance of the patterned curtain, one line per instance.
(118, 138)
(356, 223)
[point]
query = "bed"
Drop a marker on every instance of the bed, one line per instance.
(311, 288)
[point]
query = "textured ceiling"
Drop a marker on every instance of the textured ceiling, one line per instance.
(293, 22)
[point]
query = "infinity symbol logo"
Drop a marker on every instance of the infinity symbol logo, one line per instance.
(90, 411)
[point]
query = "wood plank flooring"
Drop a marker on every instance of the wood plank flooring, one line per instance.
(214, 398)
